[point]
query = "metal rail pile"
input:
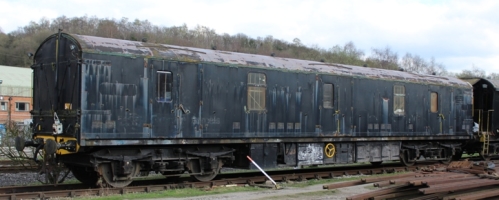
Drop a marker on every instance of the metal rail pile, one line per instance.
(459, 180)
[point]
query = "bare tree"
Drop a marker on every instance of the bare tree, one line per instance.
(413, 64)
(15, 45)
(383, 58)
(494, 76)
(297, 42)
(416, 64)
(475, 72)
(61, 22)
(4, 45)
(347, 54)
(7, 144)
(436, 68)
(108, 28)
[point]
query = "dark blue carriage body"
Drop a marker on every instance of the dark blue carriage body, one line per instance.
(115, 93)
(114, 97)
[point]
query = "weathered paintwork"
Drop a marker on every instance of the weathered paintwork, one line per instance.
(485, 110)
(276, 139)
(124, 96)
(105, 89)
(190, 54)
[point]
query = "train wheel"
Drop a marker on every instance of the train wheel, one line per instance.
(115, 181)
(405, 158)
(85, 175)
(448, 157)
(210, 172)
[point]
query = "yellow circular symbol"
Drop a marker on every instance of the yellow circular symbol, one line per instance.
(330, 150)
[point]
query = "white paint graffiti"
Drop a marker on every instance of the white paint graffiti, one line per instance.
(310, 154)
(211, 120)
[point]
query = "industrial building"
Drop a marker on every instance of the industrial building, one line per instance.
(15, 95)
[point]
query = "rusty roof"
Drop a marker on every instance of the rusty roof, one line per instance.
(191, 54)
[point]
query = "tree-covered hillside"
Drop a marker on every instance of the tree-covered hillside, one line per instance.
(15, 45)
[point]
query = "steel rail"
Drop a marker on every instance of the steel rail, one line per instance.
(239, 179)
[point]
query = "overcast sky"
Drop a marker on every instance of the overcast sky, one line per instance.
(457, 33)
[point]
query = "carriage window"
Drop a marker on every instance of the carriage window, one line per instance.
(434, 102)
(327, 98)
(257, 84)
(399, 100)
(164, 86)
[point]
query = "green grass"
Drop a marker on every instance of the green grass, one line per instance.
(176, 193)
(470, 155)
(334, 180)
(193, 192)
(321, 181)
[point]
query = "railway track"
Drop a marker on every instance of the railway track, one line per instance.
(247, 178)
(424, 181)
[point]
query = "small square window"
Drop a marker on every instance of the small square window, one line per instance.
(3, 105)
(21, 106)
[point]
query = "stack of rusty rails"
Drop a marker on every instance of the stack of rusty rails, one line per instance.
(458, 180)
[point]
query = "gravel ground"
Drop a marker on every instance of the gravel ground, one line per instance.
(24, 178)
(10, 179)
